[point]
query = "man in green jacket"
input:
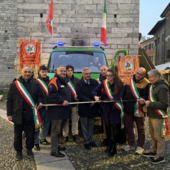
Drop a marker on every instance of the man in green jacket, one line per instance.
(156, 108)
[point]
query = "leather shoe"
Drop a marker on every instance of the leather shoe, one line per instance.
(61, 148)
(108, 149)
(18, 155)
(93, 144)
(104, 143)
(37, 147)
(57, 154)
(113, 150)
(66, 139)
(30, 153)
(87, 146)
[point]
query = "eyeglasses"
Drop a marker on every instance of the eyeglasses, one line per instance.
(109, 75)
(87, 74)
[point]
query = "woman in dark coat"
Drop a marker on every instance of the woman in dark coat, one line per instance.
(112, 90)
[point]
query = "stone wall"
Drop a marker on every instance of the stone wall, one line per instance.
(8, 35)
(80, 19)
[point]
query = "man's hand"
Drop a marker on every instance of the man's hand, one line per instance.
(142, 101)
(65, 103)
(96, 98)
(145, 109)
(40, 106)
(76, 98)
(10, 118)
(92, 104)
(147, 103)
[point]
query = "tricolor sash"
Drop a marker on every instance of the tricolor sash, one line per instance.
(164, 125)
(98, 81)
(43, 85)
(73, 91)
(136, 95)
(119, 105)
(26, 95)
(72, 88)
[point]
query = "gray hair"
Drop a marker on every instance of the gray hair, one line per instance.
(154, 72)
(84, 69)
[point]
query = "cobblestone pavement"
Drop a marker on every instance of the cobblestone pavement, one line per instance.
(97, 159)
(81, 158)
(7, 152)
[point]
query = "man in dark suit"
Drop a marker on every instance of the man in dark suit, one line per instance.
(88, 111)
(20, 112)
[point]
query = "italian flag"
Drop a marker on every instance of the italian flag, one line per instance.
(103, 28)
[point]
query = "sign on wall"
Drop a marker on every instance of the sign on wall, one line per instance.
(29, 53)
(127, 67)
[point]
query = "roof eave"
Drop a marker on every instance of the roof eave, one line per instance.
(156, 27)
(165, 11)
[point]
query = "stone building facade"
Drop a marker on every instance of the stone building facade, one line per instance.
(8, 41)
(72, 19)
(161, 33)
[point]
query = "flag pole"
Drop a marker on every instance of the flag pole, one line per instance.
(52, 35)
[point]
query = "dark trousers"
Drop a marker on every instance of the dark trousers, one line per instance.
(112, 131)
(129, 123)
(56, 128)
(87, 126)
(29, 129)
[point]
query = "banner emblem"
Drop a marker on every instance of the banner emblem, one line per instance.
(30, 49)
(128, 65)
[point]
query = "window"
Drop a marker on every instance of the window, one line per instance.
(162, 37)
(151, 45)
(158, 40)
(162, 52)
(168, 53)
(144, 48)
(157, 57)
(167, 23)
(78, 59)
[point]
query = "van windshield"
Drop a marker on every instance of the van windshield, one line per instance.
(78, 59)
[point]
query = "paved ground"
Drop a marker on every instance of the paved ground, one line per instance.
(81, 159)
(7, 152)
(96, 159)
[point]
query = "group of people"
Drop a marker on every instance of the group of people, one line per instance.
(120, 105)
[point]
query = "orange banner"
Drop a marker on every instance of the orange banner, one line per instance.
(29, 53)
(127, 67)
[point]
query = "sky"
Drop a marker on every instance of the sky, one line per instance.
(150, 11)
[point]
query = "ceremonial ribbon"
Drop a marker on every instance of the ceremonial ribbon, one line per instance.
(73, 91)
(26, 95)
(164, 125)
(119, 105)
(43, 85)
(98, 81)
(72, 88)
(136, 95)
